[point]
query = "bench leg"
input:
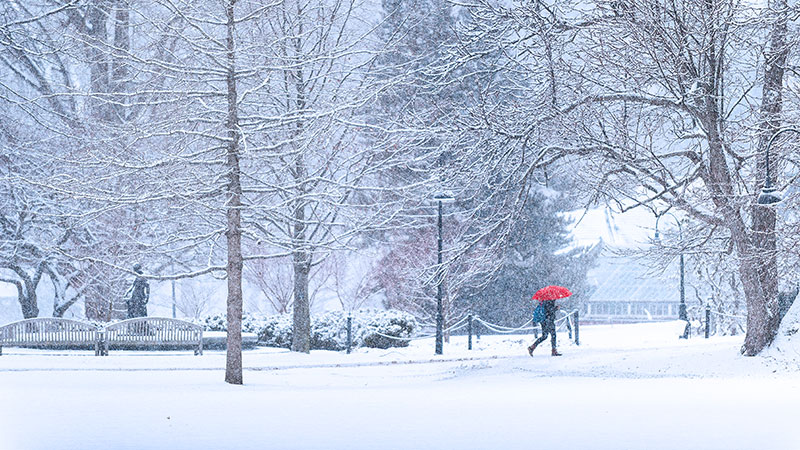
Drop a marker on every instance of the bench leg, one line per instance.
(1, 350)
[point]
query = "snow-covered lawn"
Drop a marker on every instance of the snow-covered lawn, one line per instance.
(625, 387)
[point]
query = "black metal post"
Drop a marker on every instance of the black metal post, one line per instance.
(439, 276)
(349, 333)
(682, 314)
(469, 331)
(577, 327)
(682, 307)
(769, 195)
(708, 320)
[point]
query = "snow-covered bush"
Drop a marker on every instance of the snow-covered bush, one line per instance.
(381, 324)
(329, 331)
(370, 328)
(217, 322)
(273, 331)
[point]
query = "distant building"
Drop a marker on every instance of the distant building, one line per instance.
(624, 288)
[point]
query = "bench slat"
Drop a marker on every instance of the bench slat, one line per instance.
(47, 332)
(146, 331)
(155, 332)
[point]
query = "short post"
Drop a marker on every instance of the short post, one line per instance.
(478, 331)
(569, 326)
(102, 343)
(469, 331)
(349, 333)
(708, 320)
(577, 327)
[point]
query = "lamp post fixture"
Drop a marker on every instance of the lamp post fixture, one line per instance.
(440, 199)
(769, 195)
(682, 315)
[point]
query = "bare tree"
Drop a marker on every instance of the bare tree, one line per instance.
(273, 278)
(658, 111)
(194, 299)
(352, 279)
(66, 88)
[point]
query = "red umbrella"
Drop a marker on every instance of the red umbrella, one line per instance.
(551, 293)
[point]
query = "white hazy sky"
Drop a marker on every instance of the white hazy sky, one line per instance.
(631, 229)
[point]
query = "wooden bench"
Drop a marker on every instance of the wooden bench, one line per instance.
(152, 332)
(50, 333)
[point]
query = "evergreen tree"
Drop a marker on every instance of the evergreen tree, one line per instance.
(538, 253)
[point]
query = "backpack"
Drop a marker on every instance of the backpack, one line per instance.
(538, 313)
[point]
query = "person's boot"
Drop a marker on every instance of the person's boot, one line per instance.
(532, 348)
(554, 352)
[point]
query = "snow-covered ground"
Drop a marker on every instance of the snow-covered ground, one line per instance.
(626, 387)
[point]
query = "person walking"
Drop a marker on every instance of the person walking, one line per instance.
(547, 297)
(548, 327)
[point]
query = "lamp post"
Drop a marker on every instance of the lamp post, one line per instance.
(682, 315)
(769, 195)
(440, 199)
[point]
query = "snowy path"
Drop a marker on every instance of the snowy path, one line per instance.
(629, 387)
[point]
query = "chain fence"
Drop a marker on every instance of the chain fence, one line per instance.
(569, 321)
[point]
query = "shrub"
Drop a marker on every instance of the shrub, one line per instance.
(329, 331)
(274, 331)
(370, 328)
(392, 323)
(217, 322)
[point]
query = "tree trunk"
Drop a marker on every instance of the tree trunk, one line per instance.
(750, 257)
(97, 14)
(119, 72)
(59, 310)
(301, 330)
(26, 289)
(28, 301)
(60, 302)
(233, 368)
(763, 319)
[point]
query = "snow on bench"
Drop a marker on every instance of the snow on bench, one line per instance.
(49, 332)
(153, 332)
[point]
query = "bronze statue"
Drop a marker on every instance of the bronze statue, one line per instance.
(137, 295)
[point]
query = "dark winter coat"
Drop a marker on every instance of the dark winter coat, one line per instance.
(548, 324)
(550, 309)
